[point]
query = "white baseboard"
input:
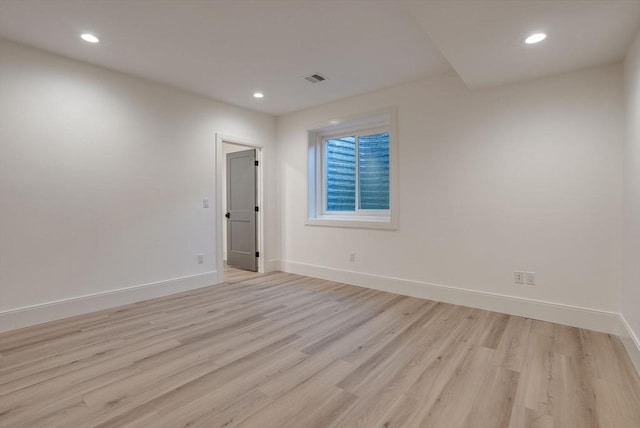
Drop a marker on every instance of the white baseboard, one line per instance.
(272, 266)
(631, 342)
(592, 319)
(36, 314)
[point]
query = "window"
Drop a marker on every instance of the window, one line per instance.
(351, 173)
(356, 172)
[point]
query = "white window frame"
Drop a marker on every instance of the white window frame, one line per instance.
(322, 196)
(371, 123)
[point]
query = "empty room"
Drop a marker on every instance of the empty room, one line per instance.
(320, 213)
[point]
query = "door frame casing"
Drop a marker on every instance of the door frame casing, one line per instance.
(219, 215)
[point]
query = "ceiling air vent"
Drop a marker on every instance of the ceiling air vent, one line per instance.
(315, 78)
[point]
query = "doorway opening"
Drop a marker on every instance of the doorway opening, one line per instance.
(239, 216)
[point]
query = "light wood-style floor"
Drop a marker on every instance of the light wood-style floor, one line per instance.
(282, 350)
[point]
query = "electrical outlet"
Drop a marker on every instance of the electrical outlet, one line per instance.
(518, 277)
(531, 278)
(352, 256)
(200, 259)
(205, 203)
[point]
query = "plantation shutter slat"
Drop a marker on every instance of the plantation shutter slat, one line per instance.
(370, 167)
(373, 171)
(341, 174)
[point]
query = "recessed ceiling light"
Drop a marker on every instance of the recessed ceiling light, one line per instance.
(535, 38)
(88, 37)
(258, 95)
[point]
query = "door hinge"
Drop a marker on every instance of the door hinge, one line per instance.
(257, 209)
(256, 163)
(257, 253)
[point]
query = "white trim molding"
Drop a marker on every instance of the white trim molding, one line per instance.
(272, 266)
(13, 319)
(630, 342)
(575, 316)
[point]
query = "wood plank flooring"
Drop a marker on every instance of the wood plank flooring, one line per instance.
(282, 350)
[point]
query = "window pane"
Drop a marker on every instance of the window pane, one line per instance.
(373, 170)
(340, 161)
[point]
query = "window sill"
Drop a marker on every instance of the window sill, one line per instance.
(359, 222)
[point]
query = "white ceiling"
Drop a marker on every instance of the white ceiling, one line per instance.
(483, 40)
(227, 49)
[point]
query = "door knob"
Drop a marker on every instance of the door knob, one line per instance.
(227, 215)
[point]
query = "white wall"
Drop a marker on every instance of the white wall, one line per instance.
(102, 177)
(520, 177)
(631, 278)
